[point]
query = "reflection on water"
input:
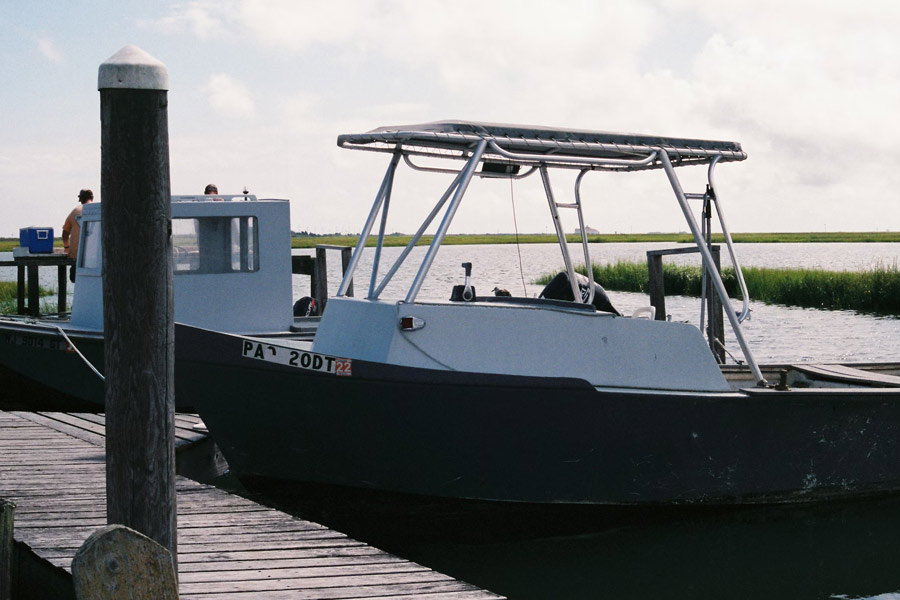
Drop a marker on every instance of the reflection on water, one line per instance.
(835, 550)
(763, 553)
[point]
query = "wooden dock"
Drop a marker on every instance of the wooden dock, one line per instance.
(52, 466)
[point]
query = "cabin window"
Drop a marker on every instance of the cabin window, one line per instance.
(90, 248)
(215, 245)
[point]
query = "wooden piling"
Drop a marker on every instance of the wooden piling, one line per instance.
(138, 295)
(715, 322)
(656, 285)
(7, 514)
(118, 563)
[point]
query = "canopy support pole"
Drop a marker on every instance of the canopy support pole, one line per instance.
(709, 264)
(383, 192)
(561, 236)
(445, 223)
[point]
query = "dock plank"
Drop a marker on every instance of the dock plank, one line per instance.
(53, 466)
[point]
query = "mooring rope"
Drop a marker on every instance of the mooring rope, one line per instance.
(78, 352)
(512, 199)
(722, 346)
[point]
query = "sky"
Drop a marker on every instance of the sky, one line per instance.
(259, 90)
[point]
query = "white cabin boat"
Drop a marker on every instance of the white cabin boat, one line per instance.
(231, 263)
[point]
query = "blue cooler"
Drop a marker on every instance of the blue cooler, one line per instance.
(36, 239)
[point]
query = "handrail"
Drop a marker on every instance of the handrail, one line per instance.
(216, 197)
(575, 160)
(715, 277)
(560, 234)
(588, 267)
(416, 167)
(745, 309)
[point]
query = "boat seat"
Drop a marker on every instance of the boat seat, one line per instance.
(644, 312)
(560, 289)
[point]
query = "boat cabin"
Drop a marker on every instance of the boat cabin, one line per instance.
(548, 336)
(231, 262)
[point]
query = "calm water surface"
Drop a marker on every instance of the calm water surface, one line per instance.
(849, 550)
(776, 333)
(841, 551)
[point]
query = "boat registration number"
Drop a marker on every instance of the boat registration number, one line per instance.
(292, 357)
(34, 341)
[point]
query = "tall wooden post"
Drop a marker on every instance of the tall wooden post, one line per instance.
(657, 287)
(137, 296)
(7, 513)
(715, 322)
(61, 283)
(319, 285)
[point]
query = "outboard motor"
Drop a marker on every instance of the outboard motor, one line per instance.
(306, 307)
(559, 289)
(465, 292)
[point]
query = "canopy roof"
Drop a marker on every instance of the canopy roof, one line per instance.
(532, 146)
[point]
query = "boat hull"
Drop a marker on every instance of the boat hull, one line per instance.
(534, 439)
(41, 372)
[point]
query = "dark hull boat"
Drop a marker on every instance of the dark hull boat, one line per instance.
(557, 400)
(537, 439)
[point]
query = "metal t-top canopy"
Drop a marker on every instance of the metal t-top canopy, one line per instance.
(532, 146)
(503, 150)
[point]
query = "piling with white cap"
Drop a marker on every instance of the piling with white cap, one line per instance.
(138, 295)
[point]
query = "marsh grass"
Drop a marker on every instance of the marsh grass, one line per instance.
(8, 296)
(873, 291)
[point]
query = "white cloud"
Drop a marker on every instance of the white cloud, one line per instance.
(203, 18)
(49, 50)
(809, 88)
(228, 97)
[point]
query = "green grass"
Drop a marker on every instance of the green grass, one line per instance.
(8, 290)
(307, 241)
(8, 296)
(875, 291)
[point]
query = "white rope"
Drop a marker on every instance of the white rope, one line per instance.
(512, 199)
(78, 352)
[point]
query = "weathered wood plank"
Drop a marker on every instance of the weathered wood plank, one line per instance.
(351, 562)
(363, 573)
(327, 590)
(229, 547)
(73, 429)
(473, 594)
(411, 582)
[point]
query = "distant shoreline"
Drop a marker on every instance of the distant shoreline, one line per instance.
(680, 238)
(311, 241)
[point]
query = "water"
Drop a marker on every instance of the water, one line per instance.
(777, 334)
(842, 551)
(845, 550)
